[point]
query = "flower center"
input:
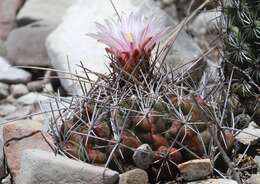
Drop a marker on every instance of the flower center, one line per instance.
(130, 36)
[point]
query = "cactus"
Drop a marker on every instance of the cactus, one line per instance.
(242, 41)
(112, 123)
(242, 54)
(139, 103)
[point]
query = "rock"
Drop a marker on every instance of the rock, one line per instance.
(4, 90)
(167, 2)
(8, 10)
(171, 10)
(19, 113)
(214, 181)
(39, 117)
(135, 176)
(257, 160)
(2, 158)
(36, 85)
(17, 139)
(2, 49)
(195, 169)
(7, 180)
(205, 22)
(31, 98)
(28, 124)
(10, 99)
(36, 9)
(18, 90)
(25, 124)
(143, 156)
(50, 107)
(185, 5)
(254, 179)
(183, 51)
(250, 135)
(7, 109)
(12, 75)
(48, 88)
(26, 45)
(62, 49)
(41, 167)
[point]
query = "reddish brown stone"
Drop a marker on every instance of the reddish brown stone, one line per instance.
(18, 139)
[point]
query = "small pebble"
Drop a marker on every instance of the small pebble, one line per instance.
(143, 156)
(18, 90)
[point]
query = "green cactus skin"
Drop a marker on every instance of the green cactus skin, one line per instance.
(242, 40)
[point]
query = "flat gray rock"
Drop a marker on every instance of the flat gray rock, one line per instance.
(135, 176)
(195, 169)
(41, 167)
(250, 135)
(12, 75)
(26, 45)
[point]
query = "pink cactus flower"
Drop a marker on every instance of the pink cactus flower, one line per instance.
(130, 38)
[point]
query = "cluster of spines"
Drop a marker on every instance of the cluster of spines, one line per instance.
(242, 41)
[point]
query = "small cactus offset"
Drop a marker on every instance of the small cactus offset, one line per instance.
(141, 114)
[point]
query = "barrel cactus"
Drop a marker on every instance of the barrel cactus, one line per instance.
(139, 108)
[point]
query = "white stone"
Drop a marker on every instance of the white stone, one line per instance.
(51, 106)
(254, 179)
(19, 113)
(32, 98)
(250, 135)
(69, 44)
(205, 21)
(12, 75)
(18, 90)
(7, 180)
(44, 10)
(7, 109)
(41, 167)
